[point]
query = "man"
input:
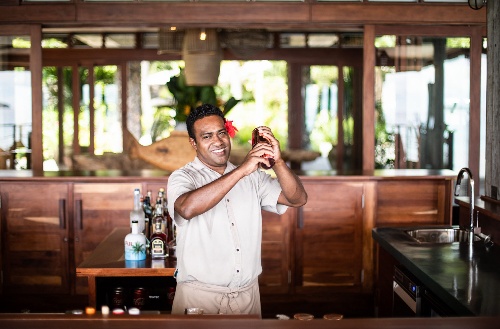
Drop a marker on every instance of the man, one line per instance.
(217, 208)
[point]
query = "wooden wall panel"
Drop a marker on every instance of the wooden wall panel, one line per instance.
(412, 203)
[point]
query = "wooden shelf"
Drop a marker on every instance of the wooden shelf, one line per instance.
(108, 260)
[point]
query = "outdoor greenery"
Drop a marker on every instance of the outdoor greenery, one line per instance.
(260, 98)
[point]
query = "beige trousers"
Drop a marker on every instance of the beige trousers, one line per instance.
(217, 300)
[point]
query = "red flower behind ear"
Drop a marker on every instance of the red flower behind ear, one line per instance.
(231, 130)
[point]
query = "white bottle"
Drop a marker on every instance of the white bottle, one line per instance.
(135, 244)
(137, 212)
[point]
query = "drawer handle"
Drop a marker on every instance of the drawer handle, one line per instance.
(78, 213)
(62, 214)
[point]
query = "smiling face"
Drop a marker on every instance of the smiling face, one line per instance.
(212, 143)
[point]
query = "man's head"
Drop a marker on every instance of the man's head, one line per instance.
(199, 113)
(209, 137)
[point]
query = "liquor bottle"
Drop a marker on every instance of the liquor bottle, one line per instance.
(169, 226)
(148, 214)
(137, 213)
(135, 244)
(159, 247)
(161, 196)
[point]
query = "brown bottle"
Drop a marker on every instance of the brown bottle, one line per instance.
(159, 247)
(257, 138)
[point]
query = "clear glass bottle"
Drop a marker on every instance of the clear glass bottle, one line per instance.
(135, 244)
(137, 213)
(159, 247)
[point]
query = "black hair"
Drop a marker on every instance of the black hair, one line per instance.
(200, 112)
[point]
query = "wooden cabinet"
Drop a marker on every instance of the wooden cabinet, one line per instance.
(415, 202)
(35, 237)
(98, 209)
(276, 252)
(50, 226)
(329, 238)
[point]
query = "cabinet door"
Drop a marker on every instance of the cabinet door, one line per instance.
(276, 253)
(329, 238)
(98, 209)
(415, 202)
(35, 237)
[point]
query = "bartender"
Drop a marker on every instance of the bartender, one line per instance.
(217, 208)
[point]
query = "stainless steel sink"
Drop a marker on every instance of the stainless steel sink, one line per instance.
(441, 235)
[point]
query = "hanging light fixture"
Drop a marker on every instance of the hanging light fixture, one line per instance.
(477, 4)
(201, 57)
(170, 40)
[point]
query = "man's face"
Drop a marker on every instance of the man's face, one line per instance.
(212, 143)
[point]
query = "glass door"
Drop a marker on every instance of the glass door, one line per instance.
(332, 116)
(15, 102)
(69, 136)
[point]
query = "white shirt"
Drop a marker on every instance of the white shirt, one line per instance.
(223, 245)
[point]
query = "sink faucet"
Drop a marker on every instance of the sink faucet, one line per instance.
(471, 200)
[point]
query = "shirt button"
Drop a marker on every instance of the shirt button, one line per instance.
(238, 249)
(237, 271)
(227, 200)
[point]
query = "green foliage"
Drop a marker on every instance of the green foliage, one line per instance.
(189, 97)
(161, 123)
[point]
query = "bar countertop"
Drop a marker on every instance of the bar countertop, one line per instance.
(469, 285)
(149, 174)
(57, 321)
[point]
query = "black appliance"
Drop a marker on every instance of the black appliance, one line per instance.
(406, 294)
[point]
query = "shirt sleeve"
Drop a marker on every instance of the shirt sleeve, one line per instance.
(179, 183)
(270, 190)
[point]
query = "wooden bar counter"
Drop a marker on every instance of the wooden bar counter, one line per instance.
(55, 245)
(56, 321)
(107, 261)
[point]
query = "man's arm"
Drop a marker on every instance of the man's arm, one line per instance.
(196, 202)
(292, 193)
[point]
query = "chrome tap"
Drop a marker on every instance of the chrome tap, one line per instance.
(471, 200)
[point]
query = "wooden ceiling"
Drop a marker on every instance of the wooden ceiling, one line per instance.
(273, 16)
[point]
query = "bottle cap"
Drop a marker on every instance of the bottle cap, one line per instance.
(89, 310)
(134, 311)
(105, 310)
(118, 311)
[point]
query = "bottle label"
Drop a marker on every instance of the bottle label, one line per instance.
(157, 248)
(135, 247)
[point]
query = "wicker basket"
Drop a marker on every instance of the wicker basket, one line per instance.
(170, 41)
(201, 58)
(193, 44)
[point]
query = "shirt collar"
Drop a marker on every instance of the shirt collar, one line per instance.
(197, 164)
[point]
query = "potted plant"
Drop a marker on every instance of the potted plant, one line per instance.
(189, 97)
